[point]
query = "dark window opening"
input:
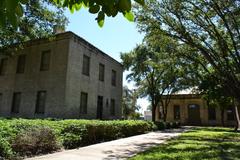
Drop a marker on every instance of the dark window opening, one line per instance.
(45, 60)
(83, 103)
(114, 77)
(16, 101)
(86, 65)
(21, 64)
(211, 113)
(3, 66)
(176, 109)
(101, 72)
(41, 101)
(230, 113)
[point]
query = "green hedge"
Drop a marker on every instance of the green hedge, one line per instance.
(22, 137)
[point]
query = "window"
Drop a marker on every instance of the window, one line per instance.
(83, 103)
(3, 66)
(86, 65)
(21, 63)
(114, 76)
(16, 102)
(45, 60)
(1, 99)
(230, 113)
(40, 103)
(101, 72)
(176, 109)
(211, 113)
(112, 107)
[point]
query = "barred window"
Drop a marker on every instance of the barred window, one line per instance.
(16, 101)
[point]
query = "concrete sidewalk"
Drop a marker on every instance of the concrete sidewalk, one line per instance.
(117, 149)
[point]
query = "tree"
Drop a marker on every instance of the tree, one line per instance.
(154, 73)
(210, 27)
(38, 21)
(11, 11)
(129, 102)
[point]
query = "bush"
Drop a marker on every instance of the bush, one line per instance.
(31, 137)
(5, 148)
(35, 141)
(160, 125)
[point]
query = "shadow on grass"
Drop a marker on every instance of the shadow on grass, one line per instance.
(200, 143)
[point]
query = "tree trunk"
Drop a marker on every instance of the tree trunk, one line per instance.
(237, 125)
(164, 117)
(222, 117)
(153, 112)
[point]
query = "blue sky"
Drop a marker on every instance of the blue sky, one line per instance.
(117, 35)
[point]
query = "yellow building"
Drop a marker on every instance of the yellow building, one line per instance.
(192, 109)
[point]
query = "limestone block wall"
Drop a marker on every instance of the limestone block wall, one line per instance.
(77, 82)
(34, 80)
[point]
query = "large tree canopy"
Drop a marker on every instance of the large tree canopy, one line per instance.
(210, 27)
(12, 10)
(39, 17)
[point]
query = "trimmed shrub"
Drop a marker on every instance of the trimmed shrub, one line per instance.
(34, 141)
(160, 125)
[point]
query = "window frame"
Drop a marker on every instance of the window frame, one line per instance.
(38, 108)
(114, 78)
(3, 66)
(15, 108)
(21, 62)
(86, 67)
(101, 72)
(83, 103)
(45, 66)
(176, 112)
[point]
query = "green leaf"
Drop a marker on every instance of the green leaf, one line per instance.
(124, 5)
(101, 23)
(100, 18)
(19, 10)
(24, 1)
(141, 2)
(78, 6)
(94, 9)
(129, 16)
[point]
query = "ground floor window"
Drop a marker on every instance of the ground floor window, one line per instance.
(83, 103)
(230, 113)
(176, 111)
(211, 113)
(40, 102)
(16, 102)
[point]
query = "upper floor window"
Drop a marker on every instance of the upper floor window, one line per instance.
(101, 72)
(176, 110)
(3, 66)
(45, 60)
(40, 102)
(86, 65)
(112, 107)
(211, 113)
(16, 102)
(83, 103)
(114, 77)
(21, 63)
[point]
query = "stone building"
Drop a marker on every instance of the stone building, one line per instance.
(61, 77)
(191, 109)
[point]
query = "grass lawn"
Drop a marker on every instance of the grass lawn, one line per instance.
(199, 144)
